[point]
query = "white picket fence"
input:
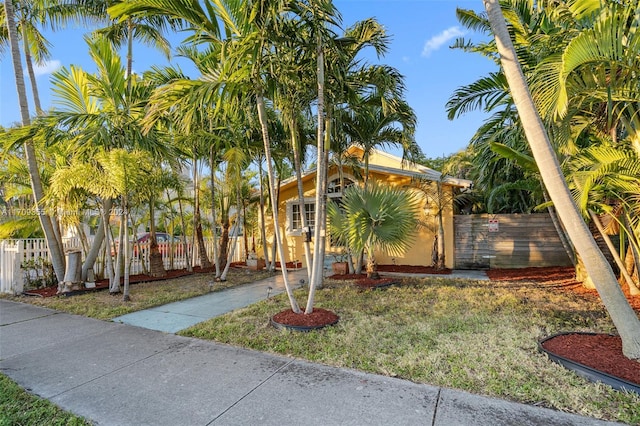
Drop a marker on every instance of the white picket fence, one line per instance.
(14, 253)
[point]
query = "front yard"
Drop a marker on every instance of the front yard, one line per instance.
(478, 336)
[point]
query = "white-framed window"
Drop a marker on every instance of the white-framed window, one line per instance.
(309, 215)
(294, 219)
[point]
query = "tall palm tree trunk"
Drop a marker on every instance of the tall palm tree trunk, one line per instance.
(187, 250)
(125, 247)
(262, 117)
(214, 213)
(319, 231)
(32, 76)
(57, 255)
(263, 224)
(234, 243)
(98, 239)
(301, 204)
(197, 223)
(621, 313)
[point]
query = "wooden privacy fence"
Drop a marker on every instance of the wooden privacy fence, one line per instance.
(507, 241)
(14, 253)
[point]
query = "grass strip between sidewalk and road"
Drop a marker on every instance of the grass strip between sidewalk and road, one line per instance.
(19, 407)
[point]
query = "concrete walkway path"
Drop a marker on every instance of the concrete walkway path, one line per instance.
(117, 374)
(177, 316)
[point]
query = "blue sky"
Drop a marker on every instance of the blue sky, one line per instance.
(421, 30)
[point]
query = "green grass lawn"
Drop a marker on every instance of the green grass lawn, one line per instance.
(102, 305)
(480, 337)
(18, 407)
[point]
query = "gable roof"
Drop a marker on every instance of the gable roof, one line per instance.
(389, 164)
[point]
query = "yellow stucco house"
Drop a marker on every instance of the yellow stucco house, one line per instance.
(385, 169)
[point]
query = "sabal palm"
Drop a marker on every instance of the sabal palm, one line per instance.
(373, 218)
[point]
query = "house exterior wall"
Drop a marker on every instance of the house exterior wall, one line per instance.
(420, 252)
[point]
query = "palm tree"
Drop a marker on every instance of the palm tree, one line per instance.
(248, 27)
(371, 125)
(375, 218)
(95, 113)
(624, 318)
(53, 242)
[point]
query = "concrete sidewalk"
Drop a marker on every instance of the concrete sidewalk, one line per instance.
(117, 374)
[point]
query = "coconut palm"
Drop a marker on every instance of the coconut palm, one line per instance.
(375, 217)
(624, 318)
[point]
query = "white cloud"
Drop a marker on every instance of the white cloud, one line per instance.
(47, 68)
(436, 42)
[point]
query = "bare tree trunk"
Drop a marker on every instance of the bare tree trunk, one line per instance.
(321, 178)
(187, 250)
(32, 76)
(202, 250)
(108, 248)
(115, 287)
(236, 229)
(274, 247)
(197, 224)
(621, 313)
(566, 243)
(125, 247)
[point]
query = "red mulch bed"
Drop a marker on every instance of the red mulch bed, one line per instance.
(317, 319)
(601, 352)
(361, 280)
(413, 269)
